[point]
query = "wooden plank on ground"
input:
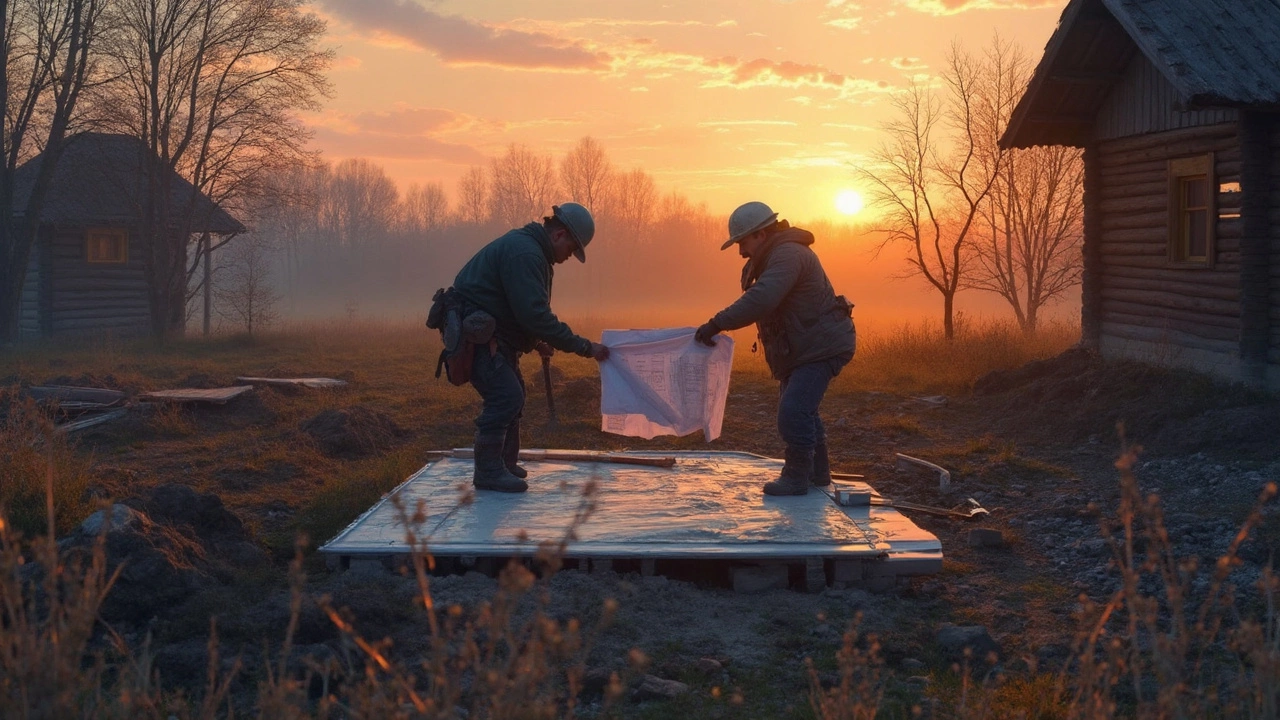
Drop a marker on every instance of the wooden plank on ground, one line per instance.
(91, 420)
(67, 393)
(311, 382)
(219, 396)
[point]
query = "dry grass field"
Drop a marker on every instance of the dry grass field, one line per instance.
(1109, 596)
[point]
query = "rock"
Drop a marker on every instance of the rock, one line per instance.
(708, 666)
(656, 688)
(920, 681)
(912, 665)
(596, 680)
(985, 537)
(954, 639)
(759, 579)
(122, 517)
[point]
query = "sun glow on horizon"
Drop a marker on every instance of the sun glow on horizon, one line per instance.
(850, 202)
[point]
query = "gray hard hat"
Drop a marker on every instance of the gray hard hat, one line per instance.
(748, 218)
(582, 227)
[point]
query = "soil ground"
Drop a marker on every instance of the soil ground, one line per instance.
(1036, 444)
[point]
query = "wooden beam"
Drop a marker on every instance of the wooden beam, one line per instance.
(1091, 280)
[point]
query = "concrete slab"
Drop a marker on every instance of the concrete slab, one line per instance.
(708, 506)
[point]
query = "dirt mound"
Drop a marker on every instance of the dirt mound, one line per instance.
(353, 432)
(170, 546)
(1078, 395)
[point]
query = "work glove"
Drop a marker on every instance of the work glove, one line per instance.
(706, 333)
(599, 352)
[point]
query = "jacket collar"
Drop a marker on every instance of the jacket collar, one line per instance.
(539, 234)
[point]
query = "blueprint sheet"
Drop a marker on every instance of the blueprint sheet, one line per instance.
(663, 382)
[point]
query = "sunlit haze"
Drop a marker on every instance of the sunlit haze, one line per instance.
(722, 100)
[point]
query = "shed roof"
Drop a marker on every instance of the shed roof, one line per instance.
(1216, 53)
(100, 180)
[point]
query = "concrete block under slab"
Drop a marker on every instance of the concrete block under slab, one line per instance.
(760, 578)
(367, 566)
(848, 572)
(815, 574)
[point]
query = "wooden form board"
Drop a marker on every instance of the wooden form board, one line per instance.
(312, 382)
(218, 396)
(67, 393)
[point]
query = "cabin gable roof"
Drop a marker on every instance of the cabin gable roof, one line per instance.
(1215, 53)
(100, 180)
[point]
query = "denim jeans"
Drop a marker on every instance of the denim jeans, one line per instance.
(496, 376)
(800, 395)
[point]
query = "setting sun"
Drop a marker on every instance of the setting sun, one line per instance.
(849, 202)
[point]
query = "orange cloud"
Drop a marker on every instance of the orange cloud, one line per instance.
(952, 7)
(385, 145)
(458, 40)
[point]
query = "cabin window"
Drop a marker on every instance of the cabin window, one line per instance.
(1191, 210)
(107, 245)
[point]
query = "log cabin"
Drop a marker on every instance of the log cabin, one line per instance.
(87, 270)
(1175, 104)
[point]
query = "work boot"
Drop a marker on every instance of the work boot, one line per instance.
(491, 473)
(511, 451)
(796, 472)
(821, 466)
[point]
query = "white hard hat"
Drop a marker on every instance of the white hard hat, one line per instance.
(748, 218)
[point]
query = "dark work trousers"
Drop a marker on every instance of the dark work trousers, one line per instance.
(800, 395)
(496, 376)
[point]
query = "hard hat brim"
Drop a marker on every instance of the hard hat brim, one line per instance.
(578, 252)
(738, 238)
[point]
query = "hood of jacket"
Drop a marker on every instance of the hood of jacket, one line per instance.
(757, 263)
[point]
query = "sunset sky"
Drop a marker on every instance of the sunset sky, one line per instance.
(723, 100)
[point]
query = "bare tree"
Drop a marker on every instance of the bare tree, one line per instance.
(1027, 247)
(47, 49)
(244, 292)
(473, 196)
(521, 185)
(424, 210)
(634, 204)
(585, 173)
(211, 87)
(361, 204)
(931, 187)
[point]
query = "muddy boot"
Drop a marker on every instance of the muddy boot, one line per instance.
(491, 473)
(821, 466)
(796, 472)
(511, 451)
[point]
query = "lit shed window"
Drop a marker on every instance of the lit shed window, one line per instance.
(1191, 210)
(107, 245)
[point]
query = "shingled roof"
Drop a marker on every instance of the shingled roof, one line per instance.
(100, 180)
(1215, 53)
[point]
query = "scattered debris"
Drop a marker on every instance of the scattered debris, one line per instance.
(67, 396)
(315, 383)
(985, 537)
(944, 476)
(955, 639)
(218, 396)
(91, 420)
(933, 401)
(656, 688)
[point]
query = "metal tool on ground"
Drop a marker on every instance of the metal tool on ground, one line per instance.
(944, 475)
(569, 456)
(552, 420)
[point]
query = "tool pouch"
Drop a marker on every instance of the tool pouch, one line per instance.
(447, 315)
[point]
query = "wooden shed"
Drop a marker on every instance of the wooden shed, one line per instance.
(1175, 103)
(87, 271)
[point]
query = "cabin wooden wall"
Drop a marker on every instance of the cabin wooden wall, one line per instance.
(1273, 353)
(96, 297)
(29, 312)
(1143, 101)
(1147, 307)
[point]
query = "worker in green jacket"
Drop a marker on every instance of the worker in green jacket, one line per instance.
(510, 279)
(806, 329)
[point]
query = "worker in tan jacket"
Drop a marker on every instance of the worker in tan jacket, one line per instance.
(806, 330)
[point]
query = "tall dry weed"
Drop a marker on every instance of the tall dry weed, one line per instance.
(31, 449)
